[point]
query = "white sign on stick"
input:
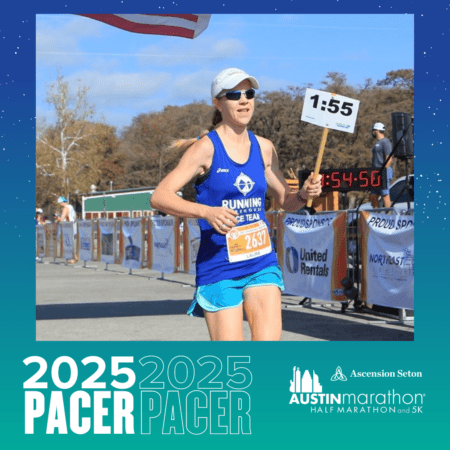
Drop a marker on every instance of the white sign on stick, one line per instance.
(330, 110)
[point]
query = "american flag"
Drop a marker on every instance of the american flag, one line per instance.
(183, 25)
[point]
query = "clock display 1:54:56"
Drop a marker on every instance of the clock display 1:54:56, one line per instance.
(354, 179)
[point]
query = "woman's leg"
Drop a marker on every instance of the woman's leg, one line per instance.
(226, 324)
(262, 306)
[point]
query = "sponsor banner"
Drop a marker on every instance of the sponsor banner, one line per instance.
(86, 242)
(68, 241)
(133, 243)
(192, 245)
(51, 231)
(40, 241)
(107, 240)
(163, 244)
(315, 255)
(387, 259)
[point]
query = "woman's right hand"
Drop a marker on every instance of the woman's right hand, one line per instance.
(221, 219)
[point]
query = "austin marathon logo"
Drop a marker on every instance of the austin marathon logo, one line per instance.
(305, 383)
(307, 391)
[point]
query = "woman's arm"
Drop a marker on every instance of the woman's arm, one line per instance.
(196, 160)
(278, 187)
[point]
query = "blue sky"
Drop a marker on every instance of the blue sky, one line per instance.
(130, 73)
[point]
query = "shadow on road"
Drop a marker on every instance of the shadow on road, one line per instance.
(309, 323)
(115, 309)
(317, 325)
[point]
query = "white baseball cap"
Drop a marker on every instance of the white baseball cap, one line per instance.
(61, 199)
(228, 79)
(379, 126)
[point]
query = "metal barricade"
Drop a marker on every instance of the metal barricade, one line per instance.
(353, 242)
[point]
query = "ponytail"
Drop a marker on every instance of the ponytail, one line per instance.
(216, 119)
(184, 144)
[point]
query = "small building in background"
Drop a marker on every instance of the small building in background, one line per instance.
(119, 203)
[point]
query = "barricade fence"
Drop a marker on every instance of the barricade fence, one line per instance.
(337, 255)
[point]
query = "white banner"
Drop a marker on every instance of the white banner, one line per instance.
(163, 244)
(85, 236)
(68, 241)
(40, 241)
(193, 244)
(315, 255)
(107, 241)
(387, 259)
(133, 243)
(51, 231)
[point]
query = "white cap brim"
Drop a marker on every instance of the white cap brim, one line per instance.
(230, 78)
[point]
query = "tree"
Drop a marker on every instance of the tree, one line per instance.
(94, 161)
(61, 144)
(146, 143)
(402, 78)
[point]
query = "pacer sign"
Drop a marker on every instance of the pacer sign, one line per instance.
(330, 110)
(315, 255)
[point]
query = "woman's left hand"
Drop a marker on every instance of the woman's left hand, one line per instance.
(312, 188)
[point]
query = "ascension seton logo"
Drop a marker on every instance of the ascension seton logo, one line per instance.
(244, 183)
(338, 376)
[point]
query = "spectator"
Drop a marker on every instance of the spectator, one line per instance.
(68, 214)
(380, 153)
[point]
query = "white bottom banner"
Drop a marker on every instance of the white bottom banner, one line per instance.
(387, 259)
(315, 255)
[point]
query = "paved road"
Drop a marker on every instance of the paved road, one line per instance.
(76, 303)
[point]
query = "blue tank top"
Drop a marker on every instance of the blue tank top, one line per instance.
(241, 187)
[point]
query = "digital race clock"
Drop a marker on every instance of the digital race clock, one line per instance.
(344, 180)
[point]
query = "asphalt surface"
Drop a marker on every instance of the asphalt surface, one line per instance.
(77, 303)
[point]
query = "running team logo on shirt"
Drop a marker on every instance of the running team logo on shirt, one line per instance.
(244, 183)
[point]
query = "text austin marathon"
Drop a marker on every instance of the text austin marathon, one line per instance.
(387, 402)
(184, 396)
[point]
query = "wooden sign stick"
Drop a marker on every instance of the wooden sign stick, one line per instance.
(319, 160)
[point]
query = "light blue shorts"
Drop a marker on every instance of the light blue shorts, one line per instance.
(229, 293)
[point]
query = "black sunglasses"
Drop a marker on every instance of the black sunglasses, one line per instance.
(236, 95)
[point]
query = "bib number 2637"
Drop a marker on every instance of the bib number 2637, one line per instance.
(248, 242)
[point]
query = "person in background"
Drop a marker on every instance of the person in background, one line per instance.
(237, 268)
(68, 214)
(40, 219)
(380, 153)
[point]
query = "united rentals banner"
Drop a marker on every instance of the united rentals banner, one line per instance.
(86, 242)
(107, 240)
(133, 243)
(67, 230)
(315, 255)
(387, 259)
(163, 244)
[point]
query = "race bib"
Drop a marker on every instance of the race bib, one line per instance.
(248, 241)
